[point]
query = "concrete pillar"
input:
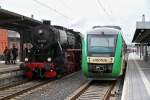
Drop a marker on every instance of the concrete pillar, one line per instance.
(140, 51)
(23, 37)
(146, 54)
(21, 47)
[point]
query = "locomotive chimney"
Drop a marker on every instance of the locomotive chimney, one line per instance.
(32, 16)
(47, 22)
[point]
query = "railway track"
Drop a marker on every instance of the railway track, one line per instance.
(10, 77)
(24, 87)
(12, 84)
(93, 90)
(15, 90)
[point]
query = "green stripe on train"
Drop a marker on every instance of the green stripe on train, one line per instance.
(117, 61)
(84, 56)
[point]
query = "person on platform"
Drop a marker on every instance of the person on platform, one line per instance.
(7, 55)
(14, 52)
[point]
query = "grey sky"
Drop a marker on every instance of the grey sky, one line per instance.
(83, 14)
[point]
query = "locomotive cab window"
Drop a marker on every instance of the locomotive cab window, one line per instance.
(101, 44)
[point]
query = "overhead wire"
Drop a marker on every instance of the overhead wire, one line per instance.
(64, 4)
(54, 10)
(108, 15)
(103, 8)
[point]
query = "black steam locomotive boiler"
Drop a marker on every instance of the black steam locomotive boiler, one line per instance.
(53, 51)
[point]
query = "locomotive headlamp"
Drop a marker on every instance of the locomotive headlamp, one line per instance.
(40, 31)
(49, 59)
(26, 59)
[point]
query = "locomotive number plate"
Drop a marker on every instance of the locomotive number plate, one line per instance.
(100, 60)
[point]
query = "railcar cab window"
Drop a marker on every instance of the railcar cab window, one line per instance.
(101, 44)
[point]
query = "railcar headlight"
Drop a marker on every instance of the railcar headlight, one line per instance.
(26, 59)
(49, 59)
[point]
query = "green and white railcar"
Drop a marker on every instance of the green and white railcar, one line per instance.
(103, 53)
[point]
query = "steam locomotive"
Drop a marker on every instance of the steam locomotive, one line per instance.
(53, 51)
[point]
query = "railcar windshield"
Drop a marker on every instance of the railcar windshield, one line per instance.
(101, 44)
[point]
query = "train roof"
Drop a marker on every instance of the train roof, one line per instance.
(59, 27)
(63, 28)
(67, 30)
(108, 26)
(104, 30)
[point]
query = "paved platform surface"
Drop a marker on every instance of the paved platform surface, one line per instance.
(8, 67)
(137, 79)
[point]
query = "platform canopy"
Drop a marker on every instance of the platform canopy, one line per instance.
(13, 21)
(142, 33)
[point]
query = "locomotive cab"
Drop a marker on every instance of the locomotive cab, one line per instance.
(100, 52)
(103, 53)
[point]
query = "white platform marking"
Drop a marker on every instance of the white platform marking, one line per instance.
(144, 78)
(125, 89)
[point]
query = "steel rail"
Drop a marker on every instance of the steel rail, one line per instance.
(20, 89)
(100, 90)
(10, 85)
(24, 89)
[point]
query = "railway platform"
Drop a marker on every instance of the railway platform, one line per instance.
(9, 73)
(137, 79)
(8, 67)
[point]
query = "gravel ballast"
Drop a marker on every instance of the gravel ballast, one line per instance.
(59, 89)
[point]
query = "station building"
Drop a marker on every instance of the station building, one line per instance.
(3, 40)
(7, 39)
